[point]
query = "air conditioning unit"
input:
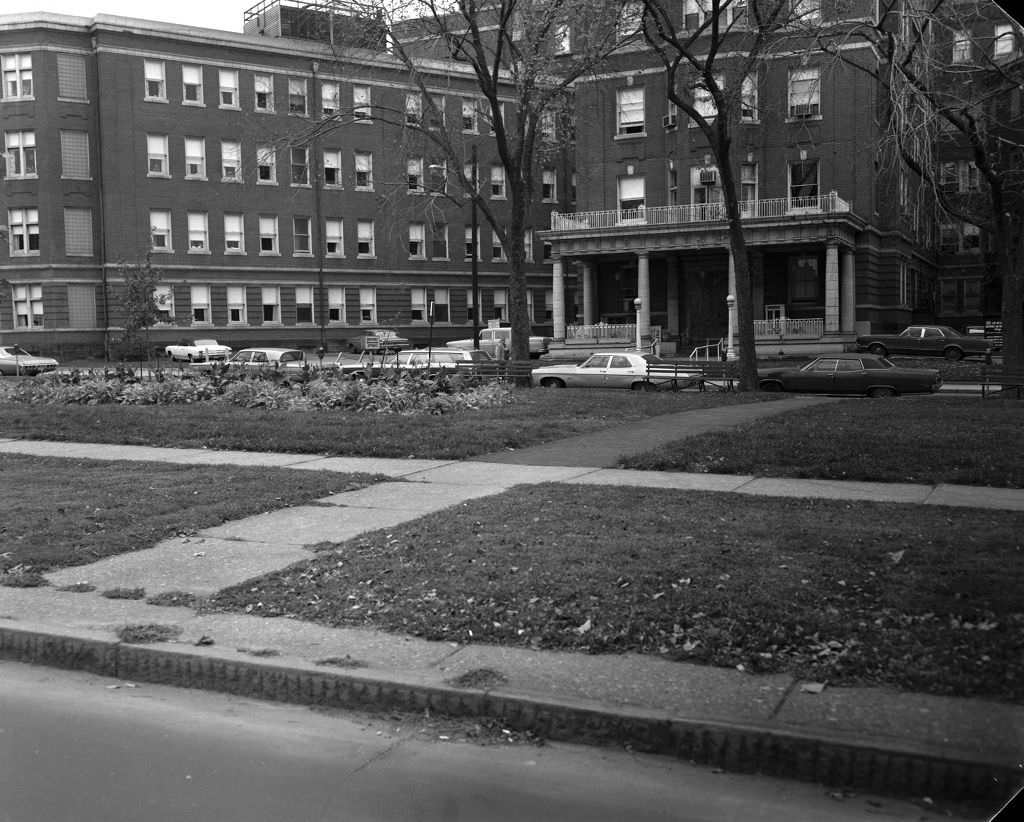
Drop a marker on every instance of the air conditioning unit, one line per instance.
(803, 110)
(669, 121)
(708, 176)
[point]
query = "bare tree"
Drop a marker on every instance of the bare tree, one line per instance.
(951, 71)
(140, 304)
(710, 59)
(518, 56)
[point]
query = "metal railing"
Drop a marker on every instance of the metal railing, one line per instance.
(809, 328)
(708, 351)
(699, 213)
(601, 331)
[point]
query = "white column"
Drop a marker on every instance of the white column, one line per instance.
(832, 287)
(558, 299)
(730, 302)
(643, 291)
(848, 286)
(588, 294)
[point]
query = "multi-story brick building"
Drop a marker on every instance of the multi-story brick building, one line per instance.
(239, 165)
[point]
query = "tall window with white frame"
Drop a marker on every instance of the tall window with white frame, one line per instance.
(364, 238)
(417, 241)
(500, 303)
(21, 153)
(156, 147)
(163, 296)
(418, 304)
(748, 189)
(497, 182)
(236, 305)
(264, 92)
(334, 237)
(368, 305)
(302, 244)
(198, 232)
(228, 88)
(268, 234)
(195, 158)
(304, 304)
(364, 170)
(231, 161)
(414, 175)
(192, 85)
(549, 185)
(17, 70)
(23, 225)
(201, 305)
(442, 311)
(28, 306)
(803, 184)
(234, 234)
(804, 92)
(300, 166)
(332, 168)
(439, 241)
(629, 108)
(361, 109)
(271, 304)
(155, 74)
(336, 304)
(160, 230)
(330, 98)
(266, 165)
(297, 104)
(632, 197)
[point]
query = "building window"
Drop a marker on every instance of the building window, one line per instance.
(469, 253)
(804, 93)
(489, 117)
(563, 43)
(803, 183)
(304, 304)
(632, 196)
(231, 161)
(500, 303)
(364, 171)
(748, 189)
(297, 96)
(549, 305)
(266, 165)
(672, 185)
(81, 306)
(442, 313)
(268, 234)
(163, 296)
(201, 305)
(198, 232)
(435, 117)
(367, 305)
(71, 83)
(361, 102)
(300, 166)
(234, 234)
(236, 305)
(497, 182)
(469, 305)
(438, 177)
(78, 232)
(23, 225)
(17, 76)
(961, 47)
(1004, 42)
(330, 98)
(20, 158)
(695, 13)
(806, 12)
(192, 85)
(748, 99)
(271, 299)
(413, 108)
(630, 19)
(264, 87)
(469, 116)
(336, 304)
(332, 168)
(28, 306)
(156, 80)
(417, 241)
(195, 158)
(334, 235)
(418, 304)
(704, 103)
(439, 241)
(228, 88)
(528, 244)
(497, 249)
(156, 146)
(706, 193)
(629, 108)
(549, 185)
(302, 243)
(74, 155)
(546, 126)
(414, 175)
(160, 230)
(364, 238)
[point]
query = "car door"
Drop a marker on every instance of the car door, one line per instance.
(819, 377)
(622, 372)
(851, 377)
(591, 374)
(909, 341)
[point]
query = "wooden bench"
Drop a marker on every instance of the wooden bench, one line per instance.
(702, 375)
(992, 381)
(720, 376)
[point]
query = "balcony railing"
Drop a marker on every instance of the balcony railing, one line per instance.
(699, 213)
(808, 329)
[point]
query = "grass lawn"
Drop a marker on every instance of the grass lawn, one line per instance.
(924, 599)
(58, 513)
(931, 439)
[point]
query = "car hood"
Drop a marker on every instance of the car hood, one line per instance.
(32, 360)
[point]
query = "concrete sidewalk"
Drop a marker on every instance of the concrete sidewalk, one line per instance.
(867, 738)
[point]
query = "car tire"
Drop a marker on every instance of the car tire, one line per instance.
(953, 354)
(878, 350)
(882, 391)
(770, 386)
(552, 382)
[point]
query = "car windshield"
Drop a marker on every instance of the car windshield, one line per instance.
(877, 364)
(16, 351)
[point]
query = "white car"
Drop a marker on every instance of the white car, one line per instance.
(15, 361)
(498, 343)
(197, 351)
(616, 369)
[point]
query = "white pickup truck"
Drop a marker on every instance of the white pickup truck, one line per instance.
(498, 343)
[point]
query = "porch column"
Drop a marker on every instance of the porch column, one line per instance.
(832, 287)
(643, 291)
(558, 299)
(730, 302)
(672, 296)
(848, 299)
(588, 293)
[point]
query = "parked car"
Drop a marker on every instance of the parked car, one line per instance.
(862, 374)
(197, 351)
(256, 360)
(607, 369)
(15, 360)
(377, 339)
(439, 358)
(498, 343)
(926, 341)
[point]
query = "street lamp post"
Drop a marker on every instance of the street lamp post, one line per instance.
(730, 353)
(638, 304)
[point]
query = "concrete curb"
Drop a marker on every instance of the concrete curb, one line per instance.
(861, 764)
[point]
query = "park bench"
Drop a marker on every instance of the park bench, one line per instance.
(702, 375)
(721, 376)
(992, 380)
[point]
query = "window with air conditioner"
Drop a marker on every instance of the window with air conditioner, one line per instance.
(804, 93)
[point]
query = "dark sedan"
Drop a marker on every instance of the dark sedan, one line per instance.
(861, 374)
(926, 341)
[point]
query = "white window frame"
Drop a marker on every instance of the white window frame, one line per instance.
(266, 158)
(630, 112)
(748, 100)
(163, 296)
(191, 83)
(332, 168)
(336, 305)
(368, 305)
(270, 297)
(302, 236)
(330, 98)
(270, 245)
(439, 241)
(791, 186)
(418, 304)
(631, 193)
(304, 296)
(364, 166)
(499, 299)
(334, 238)
(195, 158)
(470, 115)
(228, 88)
(155, 81)
(200, 299)
(20, 156)
(298, 92)
(498, 187)
(365, 240)
(263, 93)
(160, 227)
(234, 233)
(414, 175)
(1004, 43)
(497, 249)
(28, 306)
(299, 156)
(803, 92)
(157, 152)
(413, 109)
(17, 77)
(231, 161)
(237, 309)
(362, 103)
(198, 232)
(23, 226)
(528, 244)
(442, 306)
(549, 185)
(704, 103)
(417, 241)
